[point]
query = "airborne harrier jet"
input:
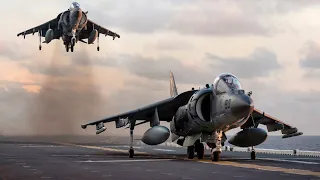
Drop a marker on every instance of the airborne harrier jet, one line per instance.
(72, 26)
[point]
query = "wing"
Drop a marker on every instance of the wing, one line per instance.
(43, 28)
(92, 25)
(166, 110)
(272, 124)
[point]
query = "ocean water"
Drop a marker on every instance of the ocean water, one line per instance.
(309, 143)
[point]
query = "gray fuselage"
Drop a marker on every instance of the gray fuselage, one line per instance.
(71, 22)
(207, 112)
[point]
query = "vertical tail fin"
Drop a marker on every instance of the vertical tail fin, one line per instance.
(173, 87)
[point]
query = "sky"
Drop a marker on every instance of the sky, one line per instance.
(273, 47)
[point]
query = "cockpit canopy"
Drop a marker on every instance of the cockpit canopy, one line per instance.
(74, 5)
(226, 82)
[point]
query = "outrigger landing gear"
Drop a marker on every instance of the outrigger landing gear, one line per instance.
(39, 40)
(98, 47)
(131, 150)
(215, 152)
(253, 154)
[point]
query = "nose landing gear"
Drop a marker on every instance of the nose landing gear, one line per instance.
(73, 41)
(69, 45)
(216, 149)
(67, 48)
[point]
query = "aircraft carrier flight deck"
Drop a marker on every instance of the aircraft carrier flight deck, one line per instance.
(107, 158)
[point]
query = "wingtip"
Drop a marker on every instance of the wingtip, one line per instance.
(83, 126)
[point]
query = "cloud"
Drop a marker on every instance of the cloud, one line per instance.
(173, 45)
(142, 16)
(310, 59)
(155, 68)
(186, 17)
(258, 64)
(16, 84)
(61, 71)
(205, 20)
(203, 17)
(271, 7)
(311, 56)
(64, 100)
(309, 97)
(13, 106)
(10, 49)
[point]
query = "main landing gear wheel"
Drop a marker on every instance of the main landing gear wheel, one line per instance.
(190, 152)
(200, 150)
(131, 153)
(253, 155)
(215, 156)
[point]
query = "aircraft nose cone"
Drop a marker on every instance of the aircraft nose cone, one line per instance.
(242, 106)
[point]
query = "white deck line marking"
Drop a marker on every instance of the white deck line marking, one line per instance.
(42, 146)
(284, 160)
(124, 146)
(121, 161)
(166, 150)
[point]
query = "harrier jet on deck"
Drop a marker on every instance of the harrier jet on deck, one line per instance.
(202, 116)
(73, 26)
